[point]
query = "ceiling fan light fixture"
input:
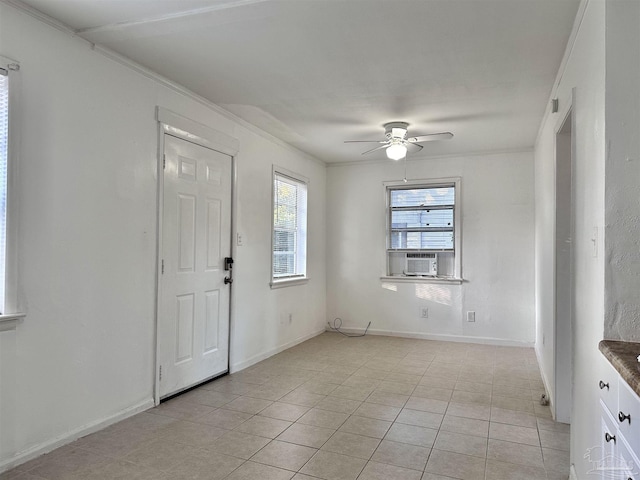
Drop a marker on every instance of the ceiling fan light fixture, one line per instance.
(396, 151)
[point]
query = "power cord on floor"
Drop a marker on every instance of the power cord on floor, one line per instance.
(337, 325)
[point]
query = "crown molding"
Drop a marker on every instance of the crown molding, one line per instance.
(156, 77)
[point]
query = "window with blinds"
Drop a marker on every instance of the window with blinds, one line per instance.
(422, 236)
(4, 152)
(289, 255)
(422, 218)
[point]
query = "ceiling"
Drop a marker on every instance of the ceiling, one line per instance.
(318, 72)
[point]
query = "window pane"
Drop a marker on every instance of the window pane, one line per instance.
(423, 197)
(4, 144)
(286, 204)
(422, 240)
(422, 218)
(283, 264)
(284, 241)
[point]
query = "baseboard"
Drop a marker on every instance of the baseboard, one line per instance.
(68, 437)
(439, 336)
(572, 473)
(236, 367)
(545, 381)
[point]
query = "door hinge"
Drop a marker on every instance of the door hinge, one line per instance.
(164, 161)
(162, 267)
(160, 372)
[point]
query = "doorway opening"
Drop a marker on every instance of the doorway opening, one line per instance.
(564, 278)
(195, 254)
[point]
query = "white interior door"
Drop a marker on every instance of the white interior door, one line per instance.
(193, 300)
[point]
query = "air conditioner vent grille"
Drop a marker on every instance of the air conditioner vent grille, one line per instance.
(421, 264)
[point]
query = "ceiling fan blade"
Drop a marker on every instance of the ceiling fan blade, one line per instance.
(374, 149)
(365, 141)
(414, 147)
(431, 137)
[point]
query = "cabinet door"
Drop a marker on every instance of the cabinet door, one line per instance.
(628, 415)
(608, 461)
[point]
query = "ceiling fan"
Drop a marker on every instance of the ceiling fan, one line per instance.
(397, 143)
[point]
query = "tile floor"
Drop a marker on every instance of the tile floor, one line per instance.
(339, 408)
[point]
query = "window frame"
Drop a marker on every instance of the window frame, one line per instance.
(457, 230)
(301, 243)
(10, 315)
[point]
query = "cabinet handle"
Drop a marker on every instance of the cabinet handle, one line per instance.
(622, 417)
(602, 385)
(608, 437)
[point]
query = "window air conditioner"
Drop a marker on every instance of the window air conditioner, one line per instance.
(421, 264)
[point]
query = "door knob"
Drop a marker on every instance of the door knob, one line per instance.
(228, 280)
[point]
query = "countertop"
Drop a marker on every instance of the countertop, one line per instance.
(623, 357)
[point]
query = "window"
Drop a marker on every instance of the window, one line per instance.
(8, 89)
(423, 229)
(289, 253)
(4, 150)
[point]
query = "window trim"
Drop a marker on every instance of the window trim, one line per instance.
(299, 279)
(11, 314)
(457, 229)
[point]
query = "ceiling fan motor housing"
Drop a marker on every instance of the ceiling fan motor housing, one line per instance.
(396, 130)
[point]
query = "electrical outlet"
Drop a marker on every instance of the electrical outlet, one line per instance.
(424, 312)
(290, 318)
(543, 339)
(239, 240)
(471, 316)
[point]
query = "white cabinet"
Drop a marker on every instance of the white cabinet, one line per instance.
(620, 427)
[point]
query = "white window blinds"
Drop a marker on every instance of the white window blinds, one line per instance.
(4, 151)
(289, 227)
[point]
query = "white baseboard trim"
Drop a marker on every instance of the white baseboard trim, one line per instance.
(236, 367)
(439, 336)
(68, 437)
(545, 381)
(572, 472)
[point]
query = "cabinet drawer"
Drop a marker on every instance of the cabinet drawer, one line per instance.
(628, 415)
(608, 386)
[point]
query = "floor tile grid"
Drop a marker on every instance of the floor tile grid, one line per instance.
(436, 362)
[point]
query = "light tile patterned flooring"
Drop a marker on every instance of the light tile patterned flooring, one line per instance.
(339, 408)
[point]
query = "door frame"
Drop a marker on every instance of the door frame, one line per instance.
(563, 337)
(170, 123)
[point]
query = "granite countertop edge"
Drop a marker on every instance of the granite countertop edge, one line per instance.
(623, 357)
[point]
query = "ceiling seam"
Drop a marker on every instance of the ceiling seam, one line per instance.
(169, 16)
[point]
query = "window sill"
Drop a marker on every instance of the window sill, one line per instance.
(9, 321)
(289, 282)
(422, 279)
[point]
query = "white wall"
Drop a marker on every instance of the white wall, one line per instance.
(585, 71)
(497, 251)
(87, 235)
(622, 215)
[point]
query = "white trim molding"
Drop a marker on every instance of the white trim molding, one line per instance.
(72, 435)
(11, 321)
(194, 132)
(436, 336)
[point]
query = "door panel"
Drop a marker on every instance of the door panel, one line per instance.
(193, 307)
